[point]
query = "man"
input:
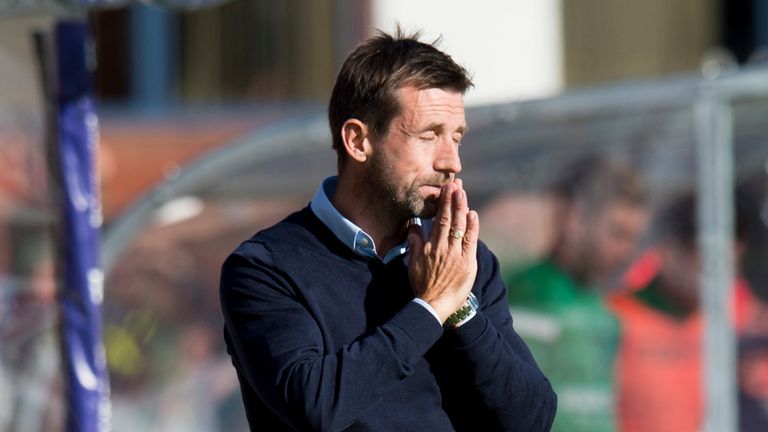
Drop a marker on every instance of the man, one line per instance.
(659, 365)
(601, 210)
(599, 214)
(335, 322)
(753, 383)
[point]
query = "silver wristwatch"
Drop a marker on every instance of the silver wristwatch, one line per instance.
(465, 312)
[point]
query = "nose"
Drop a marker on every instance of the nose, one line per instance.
(447, 160)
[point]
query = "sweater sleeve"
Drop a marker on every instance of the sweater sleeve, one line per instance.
(277, 346)
(504, 374)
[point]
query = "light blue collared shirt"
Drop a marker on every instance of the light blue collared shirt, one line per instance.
(352, 235)
(344, 229)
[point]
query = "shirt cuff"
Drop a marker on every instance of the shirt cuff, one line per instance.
(428, 307)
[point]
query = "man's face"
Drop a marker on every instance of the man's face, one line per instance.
(680, 272)
(605, 238)
(419, 153)
(617, 231)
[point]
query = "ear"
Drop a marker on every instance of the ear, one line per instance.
(573, 219)
(355, 135)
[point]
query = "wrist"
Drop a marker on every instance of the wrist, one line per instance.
(443, 306)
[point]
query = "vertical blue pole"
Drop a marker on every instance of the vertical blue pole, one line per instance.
(82, 279)
(153, 56)
(761, 23)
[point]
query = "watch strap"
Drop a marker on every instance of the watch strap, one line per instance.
(464, 313)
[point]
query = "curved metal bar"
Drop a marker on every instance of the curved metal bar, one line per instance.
(285, 138)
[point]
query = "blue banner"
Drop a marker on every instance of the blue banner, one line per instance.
(68, 7)
(82, 292)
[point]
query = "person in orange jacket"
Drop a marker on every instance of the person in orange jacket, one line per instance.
(659, 363)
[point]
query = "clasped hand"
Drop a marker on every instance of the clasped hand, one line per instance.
(442, 267)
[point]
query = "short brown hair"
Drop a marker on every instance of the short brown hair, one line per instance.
(595, 181)
(368, 81)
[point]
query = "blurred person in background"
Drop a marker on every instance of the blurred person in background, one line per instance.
(168, 368)
(29, 345)
(30, 370)
(600, 212)
(752, 193)
(659, 363)
(752, 196)
(753, 383)
(359, 313)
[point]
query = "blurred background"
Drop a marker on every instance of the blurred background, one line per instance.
(618, 158)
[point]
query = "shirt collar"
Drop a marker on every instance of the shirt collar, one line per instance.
(344, 229)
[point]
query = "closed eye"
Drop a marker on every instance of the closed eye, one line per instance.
(428, 136)
(457, 139)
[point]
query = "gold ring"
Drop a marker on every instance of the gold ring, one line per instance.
(456, 233)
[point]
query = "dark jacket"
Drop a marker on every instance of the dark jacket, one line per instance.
(324, 339)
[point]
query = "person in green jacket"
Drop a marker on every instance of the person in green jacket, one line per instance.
(600, 212)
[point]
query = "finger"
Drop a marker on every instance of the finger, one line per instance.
(442, 221)
(458, 217)
(459, 183)
(472, 234)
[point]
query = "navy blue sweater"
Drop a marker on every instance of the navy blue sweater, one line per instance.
(324, 339)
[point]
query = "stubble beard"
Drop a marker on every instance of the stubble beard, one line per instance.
(392, 202)
(578, 260)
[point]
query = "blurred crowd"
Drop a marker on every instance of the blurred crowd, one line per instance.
(30, 375)
(612, 308)
(605, 287)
